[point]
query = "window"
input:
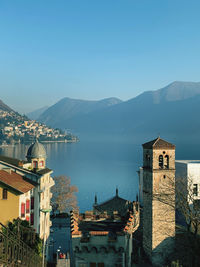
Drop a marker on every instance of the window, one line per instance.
(5, 193)
(34, 164)
(32, 218)
(195, 189)
(167, 162)
(41, 164)
(161, 161)
(92, 264)
(100, 264)
(22, 210)
(27, 206)
(32, 203)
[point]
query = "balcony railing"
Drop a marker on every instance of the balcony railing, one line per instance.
(14, 252)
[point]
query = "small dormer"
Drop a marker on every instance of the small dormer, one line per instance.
(36, 155)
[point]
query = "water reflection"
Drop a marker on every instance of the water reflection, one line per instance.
(94, 166)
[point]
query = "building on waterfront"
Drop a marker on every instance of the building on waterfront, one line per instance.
(158, 186)
(34, 172)
(103, 237)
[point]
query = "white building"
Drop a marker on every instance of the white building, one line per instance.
(189, 171)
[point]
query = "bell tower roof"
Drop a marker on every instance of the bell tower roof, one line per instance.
(158, 143)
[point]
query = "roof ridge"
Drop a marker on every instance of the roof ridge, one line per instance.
(156, 140)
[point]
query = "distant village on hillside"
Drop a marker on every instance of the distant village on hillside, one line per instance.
(15, 128)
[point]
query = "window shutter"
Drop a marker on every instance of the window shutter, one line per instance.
(5, 193)
(27, 206)
(22, 210)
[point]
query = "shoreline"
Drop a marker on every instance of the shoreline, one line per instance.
(46, 142)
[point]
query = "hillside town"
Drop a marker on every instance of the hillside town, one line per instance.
(159, 228)
(16, 128)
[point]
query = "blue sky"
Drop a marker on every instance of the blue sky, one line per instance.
(94, 49)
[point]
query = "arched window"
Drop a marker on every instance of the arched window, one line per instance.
(167, 162)
(161, 161)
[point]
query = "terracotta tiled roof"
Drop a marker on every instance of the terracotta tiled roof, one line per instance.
(15, 181)
(99, 233)
(158, 143)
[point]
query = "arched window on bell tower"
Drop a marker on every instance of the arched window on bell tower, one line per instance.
(161, 161)
(166, 161)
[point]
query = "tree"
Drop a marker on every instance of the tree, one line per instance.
(64, 198)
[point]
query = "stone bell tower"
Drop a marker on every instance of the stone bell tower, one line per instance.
(158, 199)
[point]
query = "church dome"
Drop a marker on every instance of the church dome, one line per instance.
(36, 150)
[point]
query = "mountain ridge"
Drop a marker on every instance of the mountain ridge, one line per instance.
(171, 110)
(73, 107)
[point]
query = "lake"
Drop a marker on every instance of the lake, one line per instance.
(98, 165)
(94, 166)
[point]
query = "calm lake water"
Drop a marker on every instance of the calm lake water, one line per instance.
(97, 165)
(94, 166)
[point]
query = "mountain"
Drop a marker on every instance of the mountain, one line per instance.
(171, 112)
(34, 115)
(4, 107)
(68, 108)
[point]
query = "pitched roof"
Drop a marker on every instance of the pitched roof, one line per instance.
(114, 204)
(12, 161)
(16, 181)
(19, 163)
(158, 143)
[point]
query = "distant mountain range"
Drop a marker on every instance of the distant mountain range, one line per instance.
(171, 111)
(34, 115)
(69, 109)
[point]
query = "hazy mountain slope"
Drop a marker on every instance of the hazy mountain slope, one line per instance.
(4, 107)
(176, 91)
(170, 111)
(34, 115)
(68, 108)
